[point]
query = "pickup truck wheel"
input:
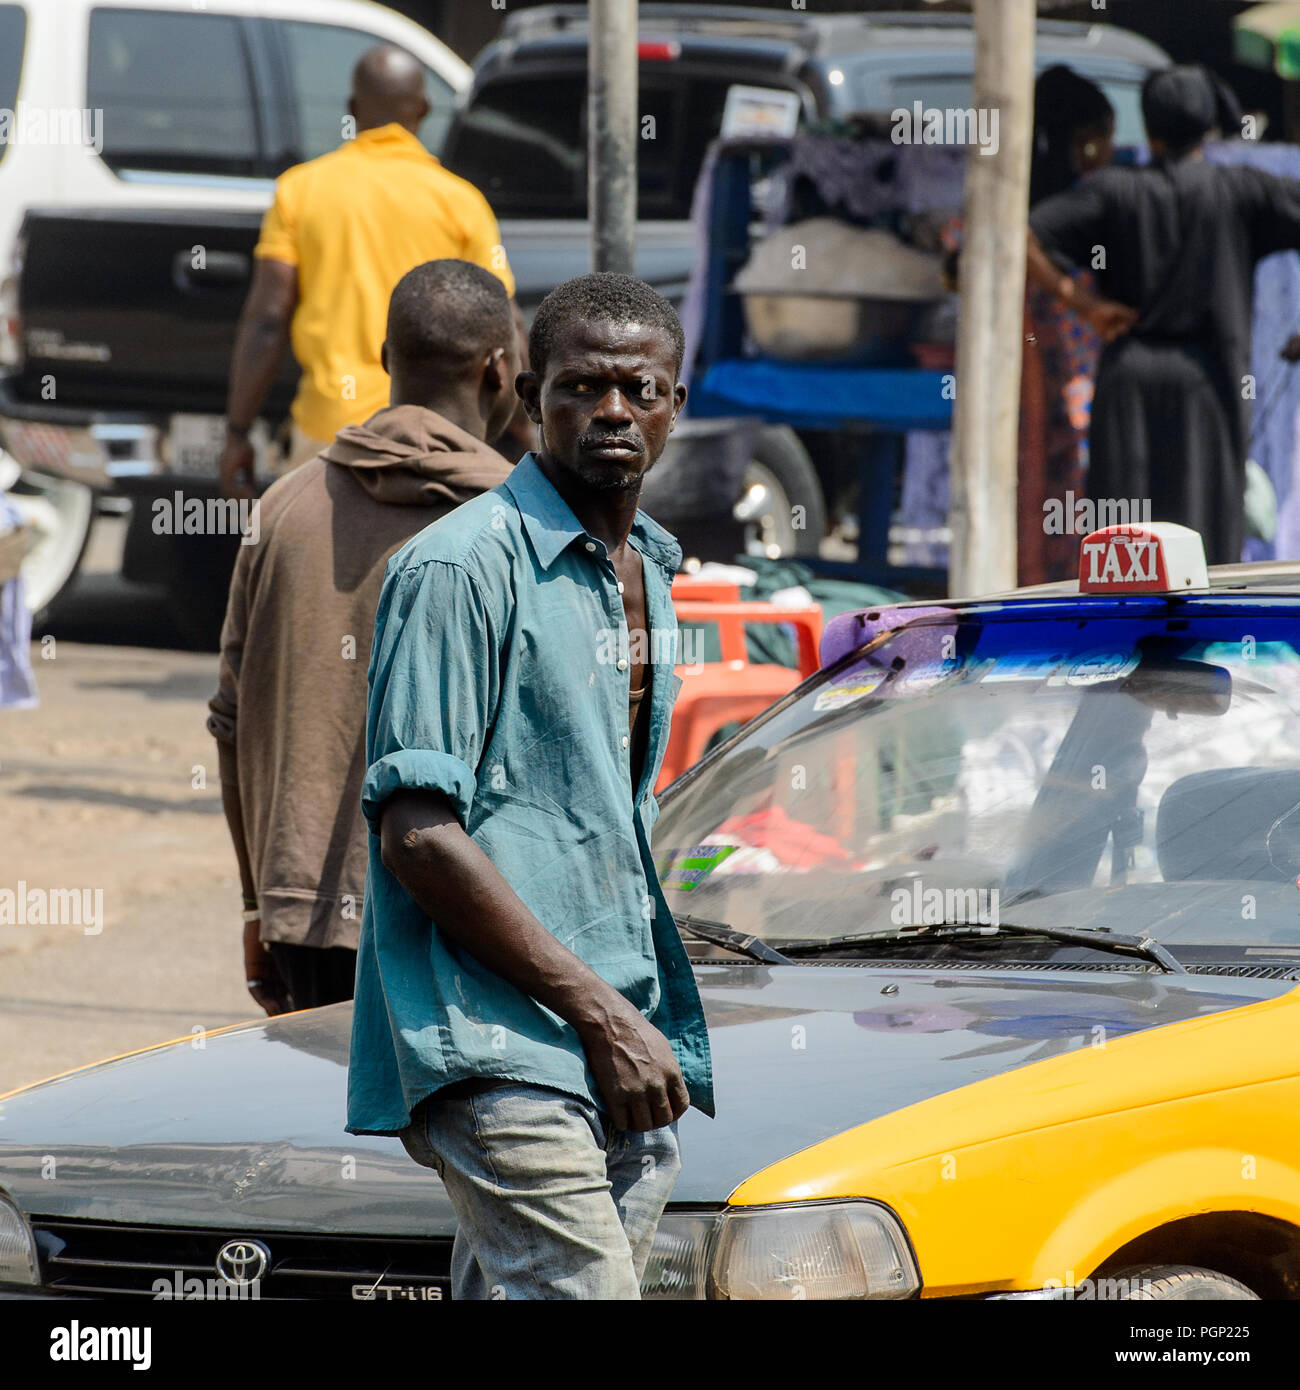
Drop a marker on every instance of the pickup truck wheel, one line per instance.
(199, 587)
(61, 512)
(778, 478)
(1180, 1283)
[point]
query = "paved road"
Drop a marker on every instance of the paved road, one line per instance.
(111, 785)
(97, 792)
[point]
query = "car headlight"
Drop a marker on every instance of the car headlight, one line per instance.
(678, 1267)
(813, 1250)
(17, 1249)
(805, 1250)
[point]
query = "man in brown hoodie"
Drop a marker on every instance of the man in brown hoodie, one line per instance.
(290, 709)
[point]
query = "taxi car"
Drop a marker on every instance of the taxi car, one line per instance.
(997, 926)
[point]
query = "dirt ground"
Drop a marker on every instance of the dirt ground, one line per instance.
(111, 784)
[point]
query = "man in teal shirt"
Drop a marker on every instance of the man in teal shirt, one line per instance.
(526, 1018)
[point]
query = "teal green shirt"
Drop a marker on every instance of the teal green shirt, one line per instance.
(495, 680)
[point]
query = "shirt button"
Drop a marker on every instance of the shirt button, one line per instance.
(620, 586)
(622, 665)
(591, 546)
(624, 740)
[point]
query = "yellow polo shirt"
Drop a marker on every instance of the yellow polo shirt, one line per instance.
(354, 222)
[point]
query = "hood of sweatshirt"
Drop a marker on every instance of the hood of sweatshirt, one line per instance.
(409, 456)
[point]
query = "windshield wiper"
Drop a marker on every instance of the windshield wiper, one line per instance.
(719, 934)
(1116, 942)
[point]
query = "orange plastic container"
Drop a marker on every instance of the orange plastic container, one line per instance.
(732, 690)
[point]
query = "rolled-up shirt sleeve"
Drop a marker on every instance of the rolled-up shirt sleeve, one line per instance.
(278, 240)
(434, 683)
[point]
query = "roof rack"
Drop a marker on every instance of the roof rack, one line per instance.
(814, 32)
(732, 19)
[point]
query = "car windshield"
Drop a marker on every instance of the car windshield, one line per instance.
(1135, 775)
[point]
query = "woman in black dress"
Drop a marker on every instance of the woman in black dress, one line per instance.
(1174, 247)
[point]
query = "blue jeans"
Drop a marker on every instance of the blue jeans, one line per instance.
(551, 1203)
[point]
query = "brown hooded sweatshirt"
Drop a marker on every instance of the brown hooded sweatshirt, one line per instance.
(289, 714)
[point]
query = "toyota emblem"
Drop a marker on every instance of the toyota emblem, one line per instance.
(242, 1262)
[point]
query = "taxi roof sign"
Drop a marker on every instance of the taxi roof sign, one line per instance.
(1157, 558)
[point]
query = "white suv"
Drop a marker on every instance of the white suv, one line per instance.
(169, 103)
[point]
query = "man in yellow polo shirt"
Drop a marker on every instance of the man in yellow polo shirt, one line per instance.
(342, 232)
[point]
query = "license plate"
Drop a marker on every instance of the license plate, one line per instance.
(196, 444)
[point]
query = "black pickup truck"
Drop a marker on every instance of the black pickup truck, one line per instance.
(124, 320)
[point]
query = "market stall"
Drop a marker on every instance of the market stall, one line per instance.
(820, 302)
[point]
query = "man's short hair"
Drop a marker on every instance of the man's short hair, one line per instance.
(602, 297)
(445, 315)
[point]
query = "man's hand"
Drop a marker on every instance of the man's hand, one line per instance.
(1291, 349)
(236, 468)
(425, 847)
(1109, 318)
(635, 1070)
(264, 982)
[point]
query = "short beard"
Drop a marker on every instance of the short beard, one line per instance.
(597, 477)
(602, 478)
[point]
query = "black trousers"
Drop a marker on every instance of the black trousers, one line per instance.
(314, 975)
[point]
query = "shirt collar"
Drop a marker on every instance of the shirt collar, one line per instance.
(552, 527)
(393, 137)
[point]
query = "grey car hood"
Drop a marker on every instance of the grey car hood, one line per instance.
(246, 1131)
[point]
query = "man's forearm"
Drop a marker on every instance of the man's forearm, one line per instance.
(456, 885)
(260, 347)
(1044, 273)
(234, 809)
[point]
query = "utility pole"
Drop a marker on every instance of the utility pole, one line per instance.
(991, 336)
(612, 134)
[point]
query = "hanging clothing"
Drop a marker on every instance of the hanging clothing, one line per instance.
(17, 683)
(1274, 438)
(1057, 378)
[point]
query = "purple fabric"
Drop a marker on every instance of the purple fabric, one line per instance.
(925, 502)
(1274, 440)
(17, 683)
(692, 313)
(873, 178)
